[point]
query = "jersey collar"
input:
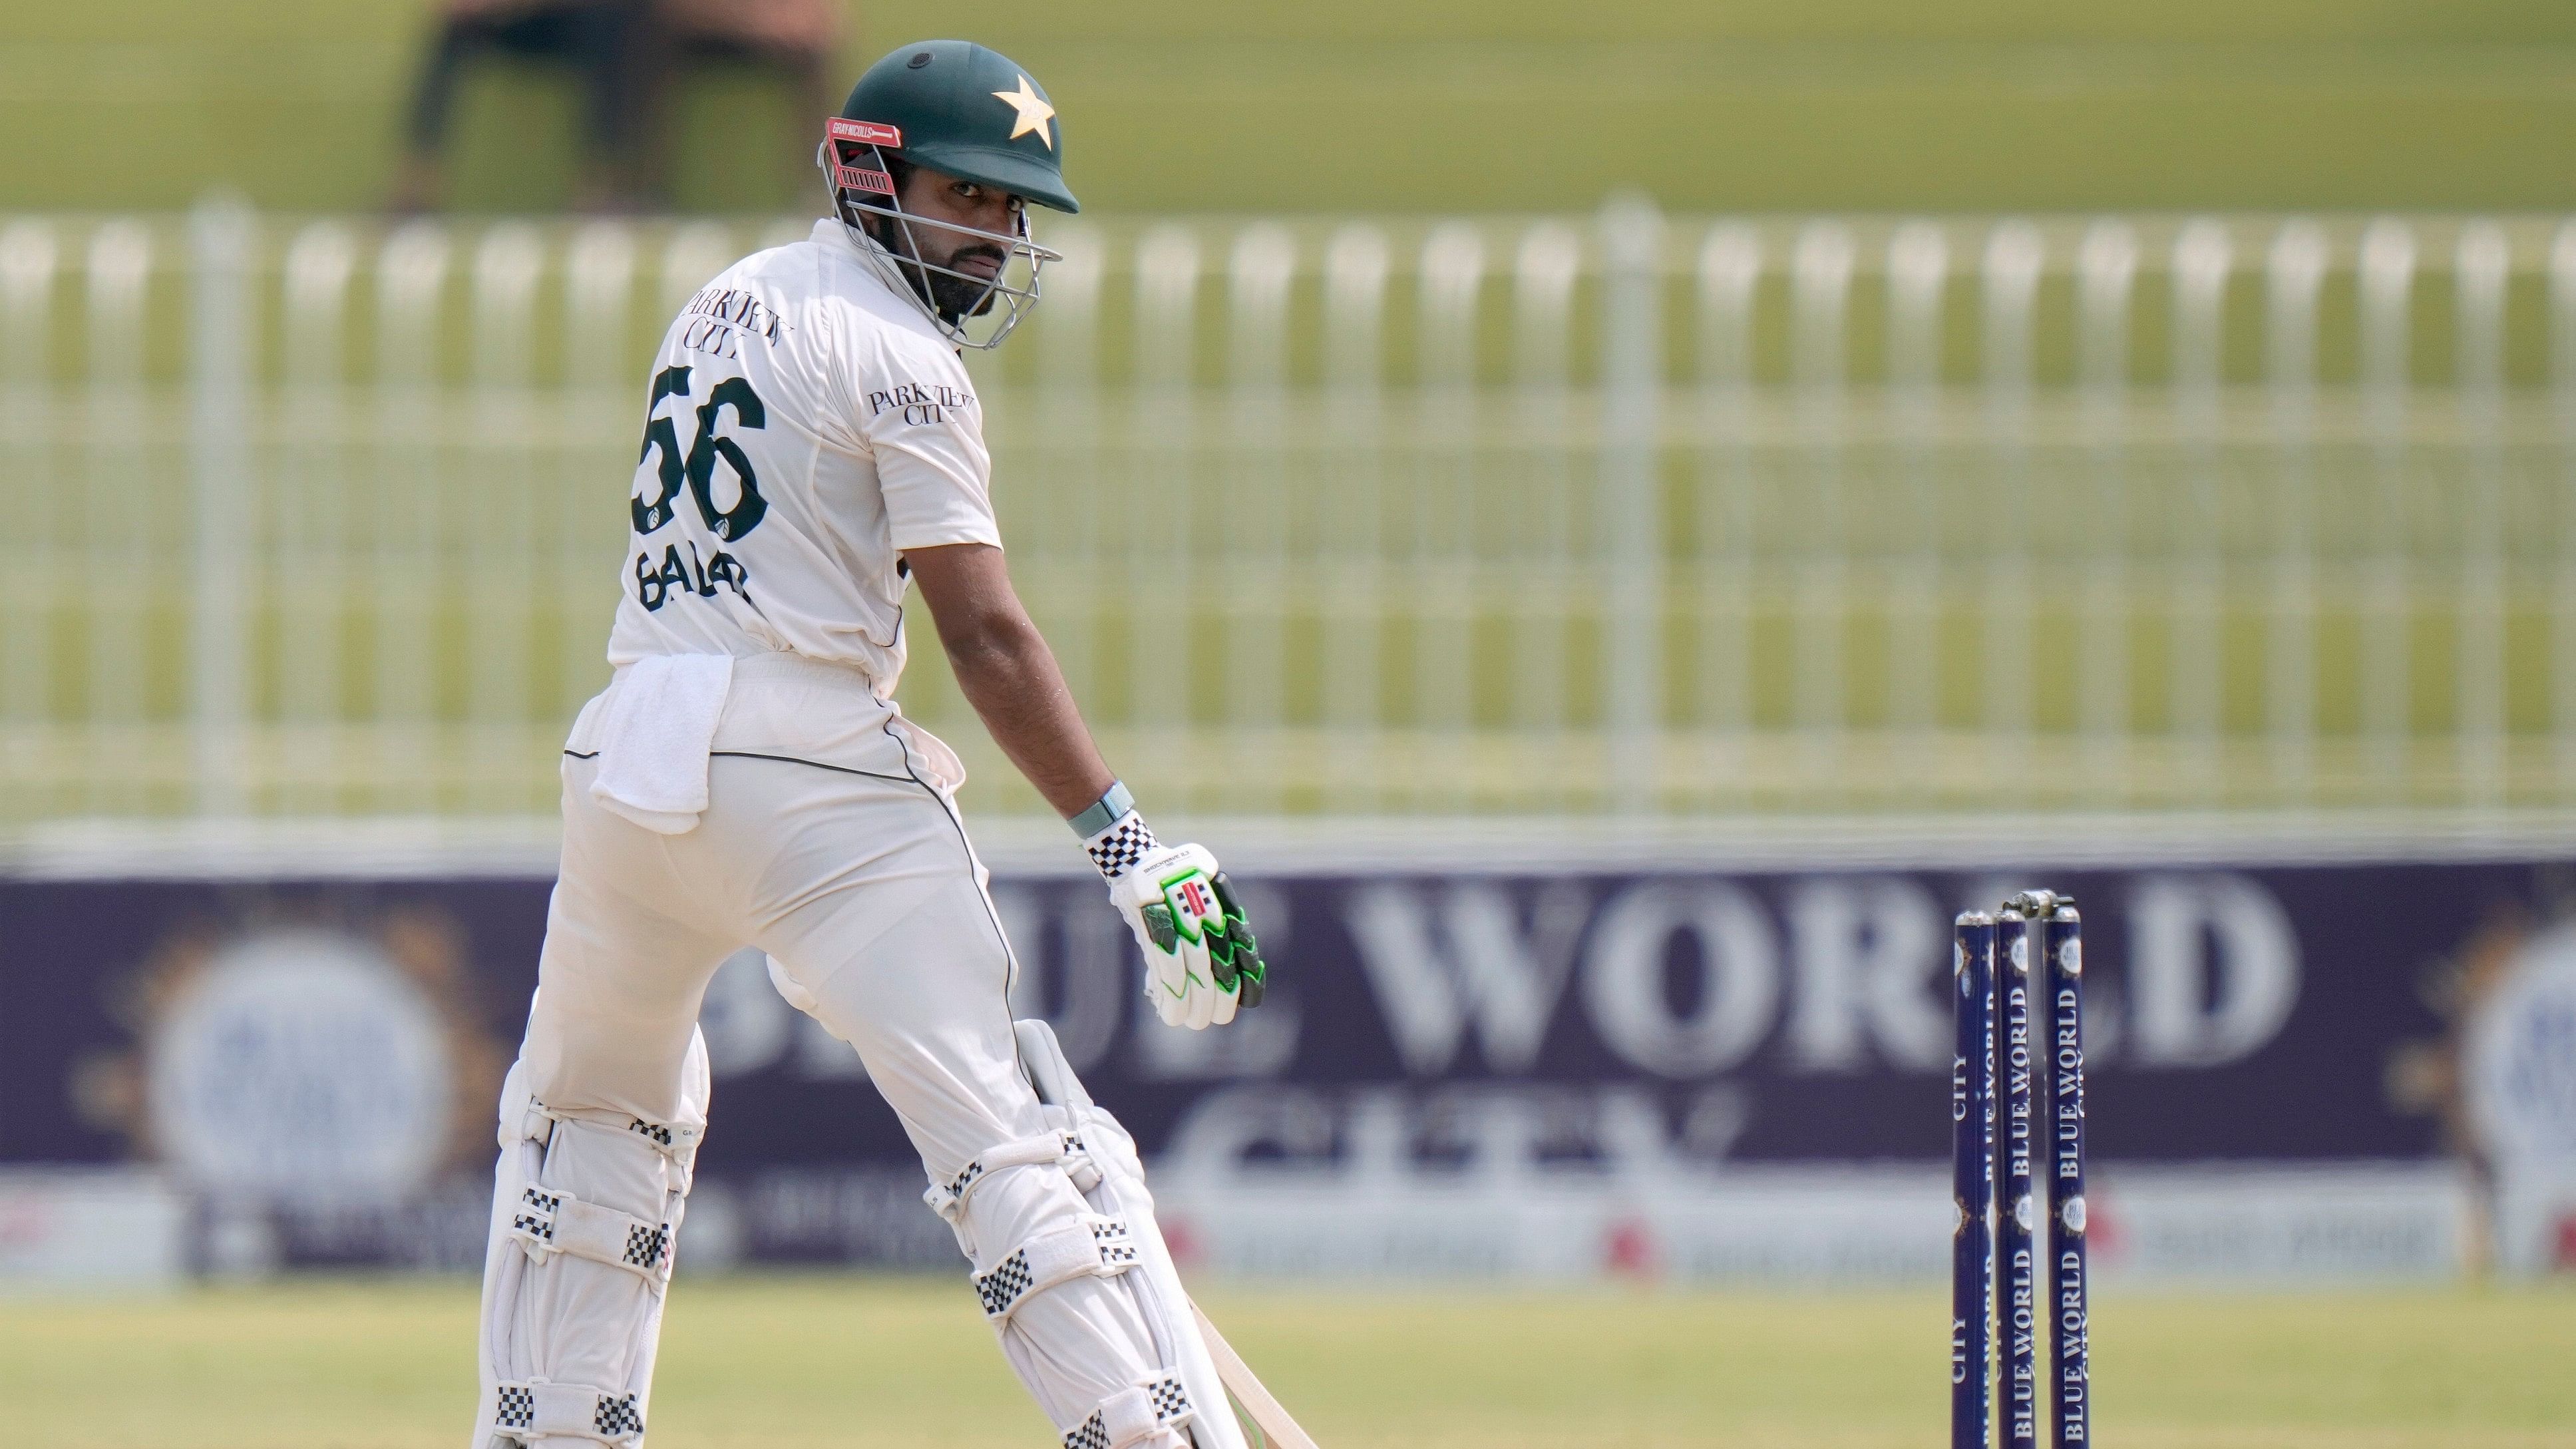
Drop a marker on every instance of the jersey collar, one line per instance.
(832, 233)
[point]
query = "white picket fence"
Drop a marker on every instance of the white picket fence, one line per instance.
(1615, 513)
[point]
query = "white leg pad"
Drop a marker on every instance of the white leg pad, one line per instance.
(1105, 1168)
(586, 1207)
(1052, 1274)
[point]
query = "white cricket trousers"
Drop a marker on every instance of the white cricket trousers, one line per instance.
(861, 887)
(830, 841)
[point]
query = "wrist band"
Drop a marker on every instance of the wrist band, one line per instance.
(1102, 813)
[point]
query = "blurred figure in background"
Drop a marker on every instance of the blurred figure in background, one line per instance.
(630, 58)
(599, 41)
(791, 40)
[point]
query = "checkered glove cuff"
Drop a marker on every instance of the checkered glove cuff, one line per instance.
(1127, 840)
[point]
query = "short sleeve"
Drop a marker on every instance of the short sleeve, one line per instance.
(925, 428)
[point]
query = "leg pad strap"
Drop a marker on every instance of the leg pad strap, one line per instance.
(949, 1198)
(1094, 1246)
(552, 1220)
(529, 1120)
(540, 1410)
(1123, 1418)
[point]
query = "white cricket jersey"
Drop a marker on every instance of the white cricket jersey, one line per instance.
(806, 424)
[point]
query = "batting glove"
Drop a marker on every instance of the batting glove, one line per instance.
(1201, 961)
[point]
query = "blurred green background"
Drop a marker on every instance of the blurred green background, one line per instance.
(1443, 105)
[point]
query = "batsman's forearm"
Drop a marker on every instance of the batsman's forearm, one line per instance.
(1009, 675)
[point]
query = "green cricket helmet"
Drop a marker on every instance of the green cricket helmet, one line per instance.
(954, 107)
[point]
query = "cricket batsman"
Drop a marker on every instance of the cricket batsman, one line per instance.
(812, 442)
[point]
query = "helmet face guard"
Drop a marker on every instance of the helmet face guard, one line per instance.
(982, 312)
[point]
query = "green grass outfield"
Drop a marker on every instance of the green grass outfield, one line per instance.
(856, 1363)
(1415, 106)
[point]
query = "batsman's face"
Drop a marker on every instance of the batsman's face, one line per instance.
(934, 196)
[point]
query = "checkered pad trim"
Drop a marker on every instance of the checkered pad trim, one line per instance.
(1171, 1404)
(646, 1247)
(618, 1416)
(653, 1130)
(967, 1176)
(1117, 1249)
(536, 1215)
(516, 1409)
(1125, 843)
(1003, 1286)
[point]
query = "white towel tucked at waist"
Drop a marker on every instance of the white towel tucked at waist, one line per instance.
(655, 728)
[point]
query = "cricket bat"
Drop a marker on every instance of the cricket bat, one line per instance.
(1265, 1424)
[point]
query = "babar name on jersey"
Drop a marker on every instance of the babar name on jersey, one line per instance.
(664, 472)
(655, 583)
(920, 404)
(717, 320)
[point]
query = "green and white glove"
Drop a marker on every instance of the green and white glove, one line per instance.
(1201, 961)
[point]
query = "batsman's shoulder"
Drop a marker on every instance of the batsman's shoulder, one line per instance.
(913, 368)
(786, 271)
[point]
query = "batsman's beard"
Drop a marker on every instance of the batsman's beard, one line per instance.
(950, 286)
